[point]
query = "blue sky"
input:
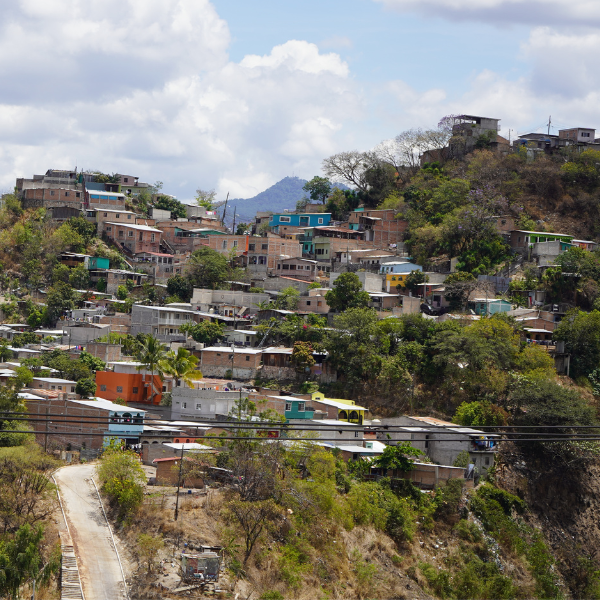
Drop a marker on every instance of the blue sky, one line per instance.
(235, 95)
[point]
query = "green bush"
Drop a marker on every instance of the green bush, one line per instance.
(468, 531)
(438, 580)
(272, 595)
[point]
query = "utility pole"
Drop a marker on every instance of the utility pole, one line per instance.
(233, 226)
(179, 483)
(46, 436)
(549, 123)
(224, 210)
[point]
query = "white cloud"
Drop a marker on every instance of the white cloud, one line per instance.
(146, 87)
(336, 41)
(501, 12)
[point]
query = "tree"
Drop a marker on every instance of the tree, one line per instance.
(205, 198)
(79, 278)
(581, 333)
(122, 293)
(206, 268)
(350, 168)
(182, 366)
(86, 229)
(458, 288)
(58, 300)
(288, 299)
(177, 209)
(242, 228)
(93, 363)
(148, 547)
(302, 356)
(180, 286)
(121, 478)
(480, 414)
(414, 281)
(21, 560)
(318, 189)
(251, 518)
(347, 293)
(203, 332)
(151, 356)
(86, 387)
(396, 458)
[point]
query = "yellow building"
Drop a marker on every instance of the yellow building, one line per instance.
(339, 409)
(392, 280)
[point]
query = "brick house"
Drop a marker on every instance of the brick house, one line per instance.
(380, 226)
(299, 268)
(243, 363)
(133, 238)
(161, 266)
(264, 253)
(96, 199)
(52, 197)
(101, 215)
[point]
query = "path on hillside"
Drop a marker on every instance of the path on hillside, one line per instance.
(99, 568)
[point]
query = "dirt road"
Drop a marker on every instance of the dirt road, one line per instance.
(99, 568)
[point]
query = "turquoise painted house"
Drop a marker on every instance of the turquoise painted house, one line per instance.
(97, 262)
(489, 306)
(279, 222)
(292, 407)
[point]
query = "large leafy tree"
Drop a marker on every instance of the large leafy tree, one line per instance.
(207, 268)
(204, 332)
(168, 203)
(581, 333)
(347, 293)
(59, 298)
(318, 189)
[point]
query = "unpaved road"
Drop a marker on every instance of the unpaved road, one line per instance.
(101, 576)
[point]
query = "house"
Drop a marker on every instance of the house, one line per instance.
(242, 337)
(396, 273)
(277, 363)
(133, 238)
(96, 199)
(315, 301)
(54, 383)
(161, 321)
(442, 441)
(101, 216)
(129, 384)
(53, 198)
(380, 226)
(264, 253)
(167, 469)
(116, 277)
(338, 409)
(300, 268)
(159, 265)
(237, 363)
(291, 407)
(227, 302)
(468, 131)
(576, 135)
(86, 424)
(211, 401)
(489, 306)
(522, 240)
(332, 432)
(281, 223)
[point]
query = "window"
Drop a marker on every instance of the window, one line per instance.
(109, 229)
(308, 303)
(52, 192)
(102, 388)
(119, 389)
(185, 405)
(198, 406)
(135, 390)
(125, 179)
(224, 244)
(288, 406)
(301, 406)
(235, 243)
(129, 233)
(264, 247)
(152, 237)
(72, 388)
(357, 434)
(247, 358)
(118, 216)
(251, 247)
(77, 194)
(66, 193)
(218, 354)
(285, 219)
(106, 214)
(320, 221)
(129, 216)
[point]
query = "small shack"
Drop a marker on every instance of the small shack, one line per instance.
(200, 567)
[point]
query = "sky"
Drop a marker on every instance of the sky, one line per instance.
(234, 95)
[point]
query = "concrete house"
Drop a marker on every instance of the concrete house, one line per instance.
(380, 226)
(240, 363)
(299, 268)
(441, 440)
(576, 135)
(522, 240)
(282, 223)
(161, 321)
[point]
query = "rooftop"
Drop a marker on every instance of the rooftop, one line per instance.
(136, 227)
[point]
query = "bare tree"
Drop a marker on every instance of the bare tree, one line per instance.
(351, 168)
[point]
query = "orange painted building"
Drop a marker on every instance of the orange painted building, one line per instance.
(131, 387)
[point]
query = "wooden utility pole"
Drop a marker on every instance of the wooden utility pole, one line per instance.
(179, 483)
(224, 210)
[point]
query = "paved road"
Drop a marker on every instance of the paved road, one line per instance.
(101, 576)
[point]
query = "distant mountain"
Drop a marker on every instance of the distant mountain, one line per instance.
(279, 197)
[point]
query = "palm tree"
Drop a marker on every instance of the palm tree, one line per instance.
(181, 365)
(151, 355)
